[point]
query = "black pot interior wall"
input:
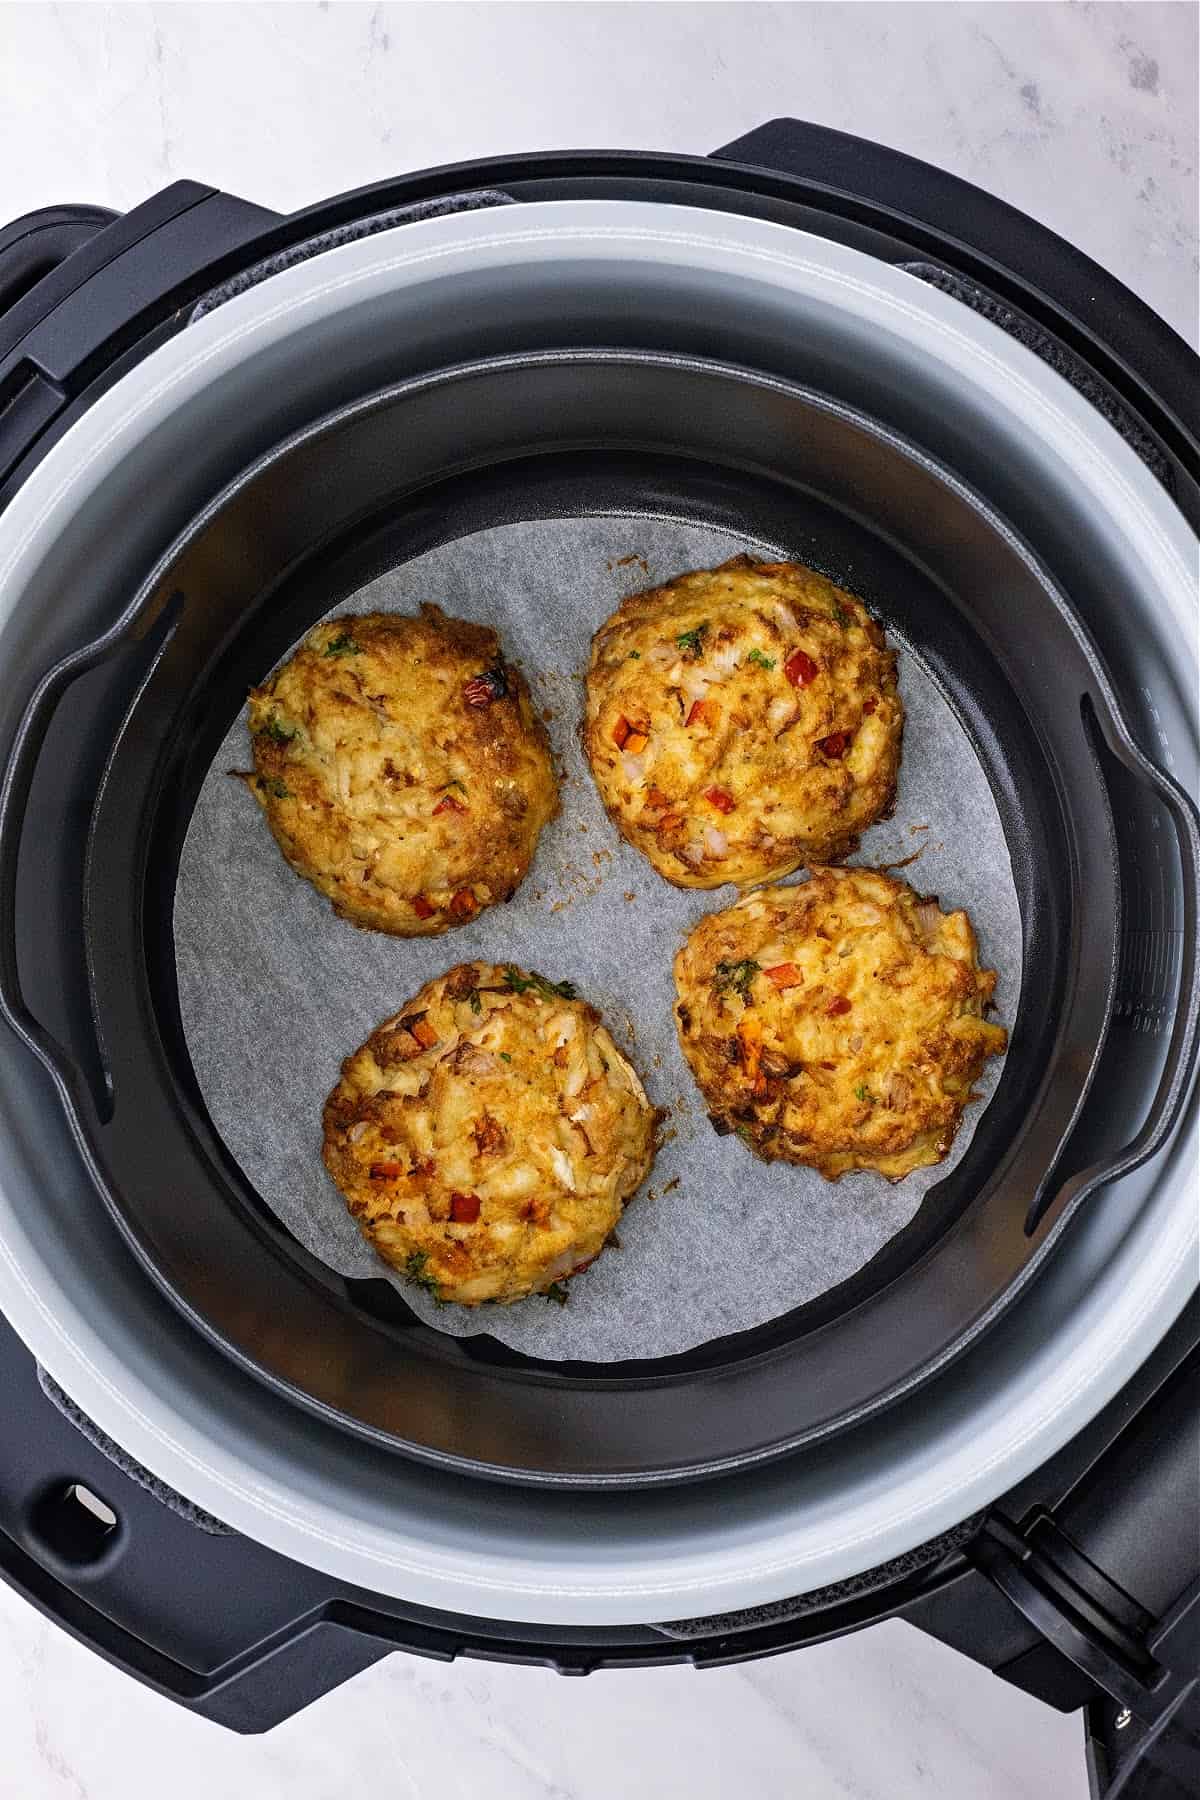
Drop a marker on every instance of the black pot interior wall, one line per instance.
(313, 524)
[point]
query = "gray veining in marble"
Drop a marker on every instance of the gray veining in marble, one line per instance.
(1084, 115)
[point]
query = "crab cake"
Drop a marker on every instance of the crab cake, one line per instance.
(402, 769)
(487, 1137)
(838, 1023)
(742, 721)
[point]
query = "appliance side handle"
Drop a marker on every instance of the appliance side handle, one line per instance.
(127, 653)
(103, 292)
(33, 247)
(1110, 1575)
(1176, 1078)
(1072, 297)
(164, 1593)
(1083, 1586)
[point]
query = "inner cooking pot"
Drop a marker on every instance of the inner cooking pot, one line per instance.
(563, 430)
(598, 433)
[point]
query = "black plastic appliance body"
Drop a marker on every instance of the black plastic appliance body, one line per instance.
(1082, 1585)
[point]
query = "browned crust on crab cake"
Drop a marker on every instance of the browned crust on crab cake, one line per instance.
(743, 721)
(487, 1136)
(838, 1023)
(402, 769)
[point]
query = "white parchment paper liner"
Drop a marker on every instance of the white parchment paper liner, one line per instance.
(275, 991)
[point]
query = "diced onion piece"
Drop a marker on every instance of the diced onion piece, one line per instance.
(929, 918)
(577, 1074)
(897, 1091)
(715, 842)
(560, 1028)
(560, 1162)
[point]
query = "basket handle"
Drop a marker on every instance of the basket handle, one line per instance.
(1179, 1064)
(149, 630)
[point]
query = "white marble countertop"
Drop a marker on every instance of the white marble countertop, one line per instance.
(1083, 115)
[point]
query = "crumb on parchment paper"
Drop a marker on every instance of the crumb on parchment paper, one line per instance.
(577, 882)
(904, 861)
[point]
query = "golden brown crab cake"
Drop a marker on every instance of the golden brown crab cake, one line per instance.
(742, 721)
(488, 1135)
(838, 1023)
(402, 769)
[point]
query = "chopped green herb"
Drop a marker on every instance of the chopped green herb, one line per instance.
(474, 1002)
(417, 1271)
(505, 1057)
(736, 977)
(537, 984)
(342, 645)
(275, 731)
(746, 1135)
(557, 1291)
(864, 1093)
(763, 662)
(690, 641)
(634, 656)
(280, 789)
(843, 618)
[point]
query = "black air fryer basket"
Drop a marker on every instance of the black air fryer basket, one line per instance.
(1073, 1585)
